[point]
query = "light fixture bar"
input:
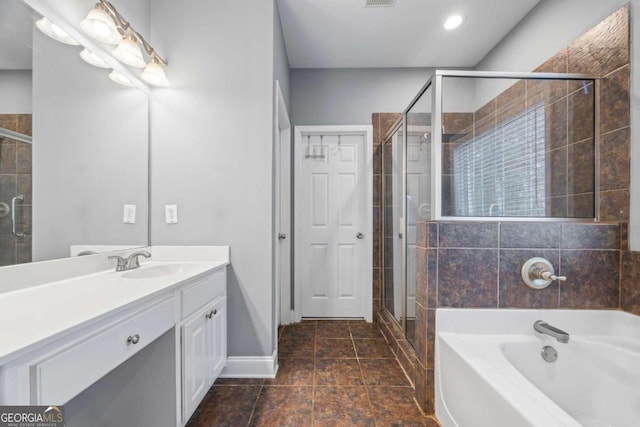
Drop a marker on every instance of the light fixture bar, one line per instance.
(124, 26)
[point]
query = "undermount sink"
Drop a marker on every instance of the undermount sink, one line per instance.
(148, 272)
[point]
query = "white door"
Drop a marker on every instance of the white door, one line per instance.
(333, 224)
(282, 203)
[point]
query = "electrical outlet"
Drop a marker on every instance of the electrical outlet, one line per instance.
(171, 214)
(129, 216)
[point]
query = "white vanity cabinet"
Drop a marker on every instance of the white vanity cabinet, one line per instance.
(204, 339)
(99, 358)
(203, 353)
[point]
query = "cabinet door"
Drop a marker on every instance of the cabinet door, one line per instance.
(218, 338)
(195, 361)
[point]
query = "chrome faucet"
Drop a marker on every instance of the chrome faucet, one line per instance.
(131, 262)
(545, 328)
(121, 262)
(84, 253)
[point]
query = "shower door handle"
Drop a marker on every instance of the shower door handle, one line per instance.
(13, 215)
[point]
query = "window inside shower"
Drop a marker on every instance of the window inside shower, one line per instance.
(501, 171)
(518, 147)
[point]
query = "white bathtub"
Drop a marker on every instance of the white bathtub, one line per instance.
(489, 371)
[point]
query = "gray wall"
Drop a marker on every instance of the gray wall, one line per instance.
(281, 62)
(348, 96)
(212, 148)
(15, 91)
(554, 24)
(90, 140)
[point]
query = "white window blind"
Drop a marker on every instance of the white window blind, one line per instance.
(502, 171)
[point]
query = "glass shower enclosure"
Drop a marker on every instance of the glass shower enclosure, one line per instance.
(15, 189)
(484, 146)
(407, 200)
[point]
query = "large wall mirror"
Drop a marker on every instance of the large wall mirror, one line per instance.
(74, 148)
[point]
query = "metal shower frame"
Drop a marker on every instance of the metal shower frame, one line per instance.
(436, 81)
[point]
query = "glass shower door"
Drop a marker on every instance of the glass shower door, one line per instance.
(393, 223)
(418, 203)
(15, 189)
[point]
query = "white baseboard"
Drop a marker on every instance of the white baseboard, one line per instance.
(251, 367)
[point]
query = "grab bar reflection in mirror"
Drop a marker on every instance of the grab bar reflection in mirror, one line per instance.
(20, 198)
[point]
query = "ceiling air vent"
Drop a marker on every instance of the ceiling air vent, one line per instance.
(379, 3)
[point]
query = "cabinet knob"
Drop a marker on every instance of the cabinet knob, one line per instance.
(215, 311)
(133, 339)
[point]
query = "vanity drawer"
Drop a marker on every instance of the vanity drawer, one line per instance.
(202, 291)
(59, 378)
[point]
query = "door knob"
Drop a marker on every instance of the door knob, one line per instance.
(282, 236)
(360, 236)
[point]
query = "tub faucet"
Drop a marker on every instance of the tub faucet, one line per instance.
(545, 328)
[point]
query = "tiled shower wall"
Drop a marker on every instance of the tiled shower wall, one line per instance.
(15, 178)
(478, 264)
(474, 264)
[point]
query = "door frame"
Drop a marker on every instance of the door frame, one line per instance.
(298, 148)
(282, 166)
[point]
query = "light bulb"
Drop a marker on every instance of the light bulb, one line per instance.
(99, 25)
(55, 32)
(120, 79)
(154, 73)
(453, 22)
(93, 59)
(129, 52)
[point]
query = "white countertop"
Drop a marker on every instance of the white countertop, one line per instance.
(36, 315)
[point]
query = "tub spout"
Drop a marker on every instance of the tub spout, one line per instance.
(545, 328)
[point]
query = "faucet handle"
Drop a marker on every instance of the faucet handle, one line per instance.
(548, 276)
(538, 273)
(122, 263)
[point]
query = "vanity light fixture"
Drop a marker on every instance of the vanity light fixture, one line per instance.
(129, 52)
(154, 73)
(453, 22)
(104, 16)
(93, 59)
(120, 79)
(55, 32)
(100, 25)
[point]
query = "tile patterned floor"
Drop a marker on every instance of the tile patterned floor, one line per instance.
(332, 373)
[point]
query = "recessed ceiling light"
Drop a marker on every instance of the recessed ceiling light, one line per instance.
(453, 22)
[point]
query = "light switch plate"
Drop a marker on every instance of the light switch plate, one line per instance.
(171, 214)
(129, 215)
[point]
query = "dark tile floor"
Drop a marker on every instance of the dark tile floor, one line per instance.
(332, 373)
